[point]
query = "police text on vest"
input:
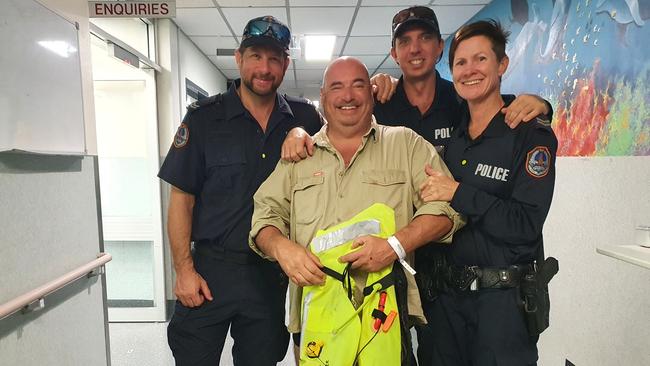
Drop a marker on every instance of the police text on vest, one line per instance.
(492, 172)
(442, 133)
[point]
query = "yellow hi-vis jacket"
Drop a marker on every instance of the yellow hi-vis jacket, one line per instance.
(334, 333)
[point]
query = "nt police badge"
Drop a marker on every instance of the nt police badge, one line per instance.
(538, 162)
(182, 136)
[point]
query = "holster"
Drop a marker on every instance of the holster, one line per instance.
(535, 303)
(431, 266)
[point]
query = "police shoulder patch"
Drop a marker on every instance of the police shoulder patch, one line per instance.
(538, 162)
(182, 136)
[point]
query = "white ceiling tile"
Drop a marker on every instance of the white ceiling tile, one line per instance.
(402, 3)
(310, 65)
(201, 22)
(462, 2)
(370, 36)
(372, 62)
(374, 21)
(452, 17)
(295, 3)
(310, 74)
(194, 4)
(367, 46)
(321, 20)
(224, 62)
(209, 44)
(337, 48)
(250, 3)
(238, 17)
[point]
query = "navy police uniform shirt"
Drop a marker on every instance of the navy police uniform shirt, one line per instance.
(506, 185)
(221, 155)
(435, 125)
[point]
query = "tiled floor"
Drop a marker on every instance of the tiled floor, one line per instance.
(145, 344)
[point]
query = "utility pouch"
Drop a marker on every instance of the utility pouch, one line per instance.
(431, 266)
(534, 295)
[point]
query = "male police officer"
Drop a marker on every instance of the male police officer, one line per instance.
(225, 148)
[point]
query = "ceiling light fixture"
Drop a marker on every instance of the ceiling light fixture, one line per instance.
(319, 48)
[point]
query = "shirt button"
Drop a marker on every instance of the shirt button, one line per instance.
(340, 195)
(464, 162)
(263, 156)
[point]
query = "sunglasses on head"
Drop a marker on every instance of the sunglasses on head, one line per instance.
(267, 28)
(416, 12)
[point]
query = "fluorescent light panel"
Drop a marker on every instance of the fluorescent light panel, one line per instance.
(319, 48)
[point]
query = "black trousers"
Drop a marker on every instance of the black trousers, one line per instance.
(249, 299)
(483, 328)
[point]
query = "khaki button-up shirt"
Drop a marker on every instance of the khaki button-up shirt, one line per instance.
(299, 198)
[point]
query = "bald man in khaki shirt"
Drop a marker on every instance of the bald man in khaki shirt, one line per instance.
(356, 163)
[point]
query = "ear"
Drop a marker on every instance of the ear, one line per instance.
(441, 49)
(393, 54)
(322, 98)
(503, 65)
(238, 58)
(286, 63)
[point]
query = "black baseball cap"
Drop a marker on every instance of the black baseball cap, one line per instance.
(266, 30)
(416, 15)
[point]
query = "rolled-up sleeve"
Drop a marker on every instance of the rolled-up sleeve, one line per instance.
(272, 204)
(422, 153)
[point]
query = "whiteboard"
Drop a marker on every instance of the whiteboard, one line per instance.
(41, 106)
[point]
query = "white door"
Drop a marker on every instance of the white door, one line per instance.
(127, 144)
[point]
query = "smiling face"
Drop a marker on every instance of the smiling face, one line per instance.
(476, 69)
(346, 95)
(417, 51)
(261, 69)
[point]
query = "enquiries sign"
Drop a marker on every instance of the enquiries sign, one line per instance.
(132, 9)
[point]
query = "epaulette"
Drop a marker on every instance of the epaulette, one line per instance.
(543, 120)
(215, 99)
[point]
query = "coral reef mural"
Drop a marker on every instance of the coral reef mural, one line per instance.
(590, 59)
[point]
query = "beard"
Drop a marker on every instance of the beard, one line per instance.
(248, 82)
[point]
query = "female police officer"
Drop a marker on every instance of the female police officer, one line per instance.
(504, 186)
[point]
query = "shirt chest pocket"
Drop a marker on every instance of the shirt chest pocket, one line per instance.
(225, 160)
(306, 196)
(386, 186)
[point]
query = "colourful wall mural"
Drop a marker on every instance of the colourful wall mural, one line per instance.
(591, 60)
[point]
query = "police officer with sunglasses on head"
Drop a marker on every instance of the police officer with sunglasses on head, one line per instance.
(226, 146)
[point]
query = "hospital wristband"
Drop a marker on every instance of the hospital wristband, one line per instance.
(401, 253)
(397, 247)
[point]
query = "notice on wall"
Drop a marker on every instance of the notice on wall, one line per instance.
(132, 9)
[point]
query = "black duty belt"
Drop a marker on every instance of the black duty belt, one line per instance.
(210, 250)
(473, 278)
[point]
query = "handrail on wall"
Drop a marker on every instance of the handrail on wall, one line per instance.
(25, 300)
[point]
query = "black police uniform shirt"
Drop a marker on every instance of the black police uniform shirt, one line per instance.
(506, 185)
(221, 155)
(435, 125)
